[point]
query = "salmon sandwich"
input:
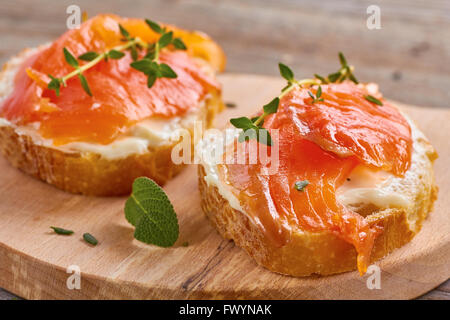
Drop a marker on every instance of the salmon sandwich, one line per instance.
(354, 178)
(97, 108)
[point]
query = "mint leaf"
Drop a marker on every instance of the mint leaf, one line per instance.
(150, 211)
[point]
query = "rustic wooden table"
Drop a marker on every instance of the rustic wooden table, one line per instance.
(409, 56)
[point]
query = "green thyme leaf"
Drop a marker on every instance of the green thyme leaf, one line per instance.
(62, 231)
(144, 65)
(272, 106)
(301, 185)
(165, 39)
(311, 95)
(332, 77)
(286, 72)
(114, 54)
(89, 238)
(322, 79)
(373, 100)
(150, 211)
(179, 44)
(70, 58)
(264, 137)
(88, 56)
(154, 26)
(151, 80)
(84, 84)
(151, 55)
(166, 71)
(248, 134)
(319, 92)
(353, 78)
(54, 84)
(124, 32)
(242, 123)
(134, 53)
(342, 59)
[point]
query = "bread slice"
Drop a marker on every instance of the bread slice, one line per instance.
(324, 253)
(89, 172)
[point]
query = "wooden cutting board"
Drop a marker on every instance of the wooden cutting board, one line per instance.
(34, 260)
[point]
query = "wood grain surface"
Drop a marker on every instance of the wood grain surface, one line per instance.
(34, 260)
(409, 56)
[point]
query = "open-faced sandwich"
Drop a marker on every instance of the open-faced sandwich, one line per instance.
(353, 180)
(96, 108)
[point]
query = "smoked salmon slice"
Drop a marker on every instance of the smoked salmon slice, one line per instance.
(320, 143)
(121, 97)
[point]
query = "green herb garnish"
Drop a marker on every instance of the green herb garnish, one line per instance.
(150, 211)
(373, 100)
(62, 231)
(149, 65)
(185, 244)
(301, 185)
(252, 128)
(89, 238)
(317, 97)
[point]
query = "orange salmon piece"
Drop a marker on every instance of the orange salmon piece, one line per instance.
(321, 143)
(121, 97)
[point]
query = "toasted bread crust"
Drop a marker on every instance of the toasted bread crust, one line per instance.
(321, 253)
(88, 173)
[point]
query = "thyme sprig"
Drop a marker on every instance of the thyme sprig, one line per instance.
(149, 65)
(252, 128)
(317, 97)
(345, 72)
